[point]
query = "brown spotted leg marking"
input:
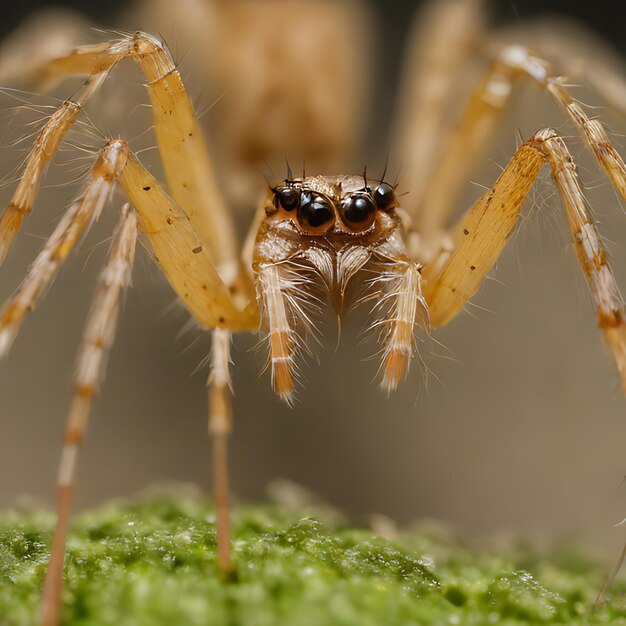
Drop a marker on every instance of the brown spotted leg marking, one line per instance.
(97, 341)
(220, 426)
(483, 232)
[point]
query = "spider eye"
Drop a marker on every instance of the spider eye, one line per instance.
(314, 211)
(385, 197)
(358, 211)
(287, 197)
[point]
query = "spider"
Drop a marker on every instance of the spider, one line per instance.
(314, 239)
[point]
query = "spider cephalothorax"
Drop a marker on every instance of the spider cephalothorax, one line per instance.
(317, 234)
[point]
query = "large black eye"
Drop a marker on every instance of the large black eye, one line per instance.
(287, 197)
(385, 197)
(314, 211)
(358, 210)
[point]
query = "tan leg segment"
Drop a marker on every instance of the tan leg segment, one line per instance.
(97, 341)
(220, 425)
(480, 121)
(69, 230)
(181, 254)
(483, 233)
(46, 145)
(191, 179)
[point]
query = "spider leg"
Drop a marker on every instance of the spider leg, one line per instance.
(192, 274)
(195, 244)
(46, 145)
(220, 426)
(77, 219)
(288, 303)
(191, 179)
(482, 234)
(98, 337)
(184, 259)
(480, 120)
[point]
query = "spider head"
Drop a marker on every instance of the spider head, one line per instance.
(334, 207)
(333, 224)
(317, 235)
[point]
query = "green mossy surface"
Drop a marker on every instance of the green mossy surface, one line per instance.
(152, 562)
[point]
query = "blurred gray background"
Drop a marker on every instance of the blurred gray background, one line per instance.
(522, 424)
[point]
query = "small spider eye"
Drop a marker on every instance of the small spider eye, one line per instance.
(287, 197)
(385, 197)
(314, 212)
(358, 211)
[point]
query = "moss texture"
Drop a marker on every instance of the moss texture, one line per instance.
(152, 562)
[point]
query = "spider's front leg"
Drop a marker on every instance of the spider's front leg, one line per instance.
(189, 268)
(482, 234)
(192, 238)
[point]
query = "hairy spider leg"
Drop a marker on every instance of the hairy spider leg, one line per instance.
(191, 272)
(406, 308)
(44, 148)
(482, 234)
(97, 340)
(72, 226)
(183, 151)
(188, 263)
(480, 121)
